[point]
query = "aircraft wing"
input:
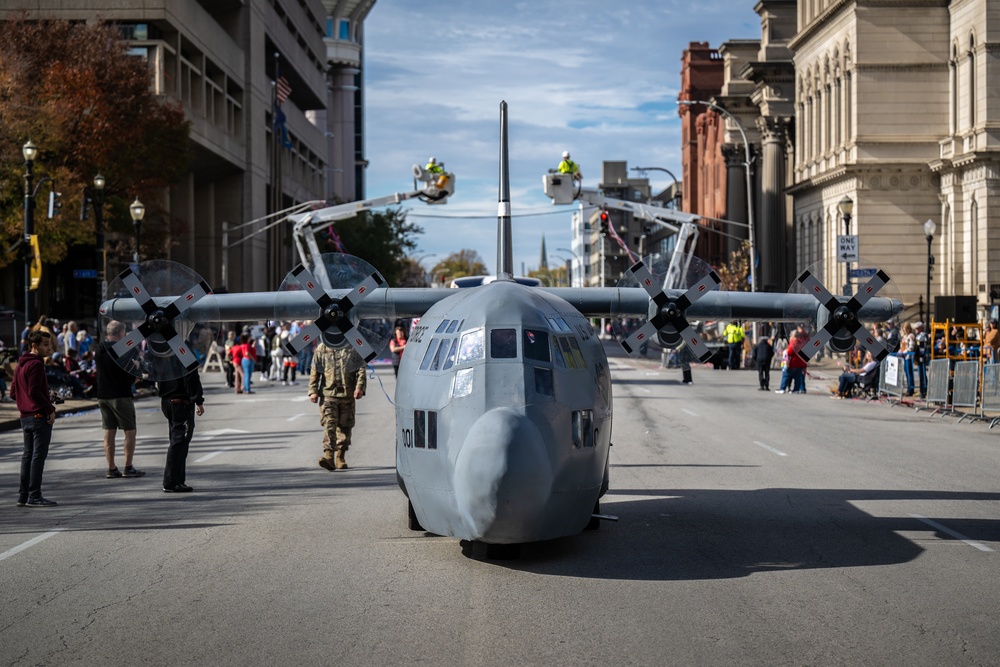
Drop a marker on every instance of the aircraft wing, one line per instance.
(590, 301)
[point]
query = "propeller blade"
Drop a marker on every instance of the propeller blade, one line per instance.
(130, 342)
(648, 283)
(639, 336)
(186, 300)
(358, 342)
(307, 335)
(815, 343)
(361, 292)
(183, 352)
(870, 343)
(698, 290)
(308, 281)
(138, 291)
(871, 288)
(702, 351)
(817, 289)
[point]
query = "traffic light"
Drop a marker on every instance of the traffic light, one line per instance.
(84, 207)
(604, 223)
(55, 203)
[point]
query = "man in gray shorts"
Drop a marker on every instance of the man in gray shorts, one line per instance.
(114, 396)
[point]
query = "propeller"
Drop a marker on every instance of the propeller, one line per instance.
(338, 324)
(166, 344)
(668, 318)
(843, 319)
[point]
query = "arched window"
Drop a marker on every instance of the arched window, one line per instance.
(974, 246)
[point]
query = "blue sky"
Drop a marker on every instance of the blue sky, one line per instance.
(598, 79)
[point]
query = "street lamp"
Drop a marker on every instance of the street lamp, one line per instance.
(929, 229)
(97, 199)
(579, 263)
(846, 207)
(137, 211)
(746, 168)
(668, 173)
(30, 152)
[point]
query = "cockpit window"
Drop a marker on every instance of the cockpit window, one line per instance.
(536, 345)
(441, 327)
(450, 359)
(472, 347)
(430, 355)
(559, 324)
(503, 344)
(453, 327)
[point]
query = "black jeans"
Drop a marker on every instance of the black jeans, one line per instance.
(180, 419)
(764, 376)
(37, 436)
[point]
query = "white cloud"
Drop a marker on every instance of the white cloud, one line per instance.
(590, 77)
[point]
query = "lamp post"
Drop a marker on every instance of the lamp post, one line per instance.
(668, 173)
(579, 263)
(929, 229)
(746, 169)
(97, 200)
(29, 151)
(137, 211)
(846, 207)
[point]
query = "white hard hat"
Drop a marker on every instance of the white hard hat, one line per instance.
(433, 160)
(566, 154)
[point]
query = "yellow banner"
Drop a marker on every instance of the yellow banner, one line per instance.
(36, 263)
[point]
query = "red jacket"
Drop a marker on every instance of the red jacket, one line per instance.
(794, 360)
(30, 388)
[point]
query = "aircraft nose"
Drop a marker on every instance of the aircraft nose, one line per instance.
(503, 477)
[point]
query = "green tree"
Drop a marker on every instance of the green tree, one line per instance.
(381, 238)
(551, 277)
(459, 264)
(74, 90)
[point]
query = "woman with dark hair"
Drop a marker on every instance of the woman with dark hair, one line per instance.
(396, 345)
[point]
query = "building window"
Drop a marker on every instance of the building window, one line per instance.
(972, 83)
(345, 30)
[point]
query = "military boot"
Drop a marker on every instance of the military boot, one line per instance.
(327, 461)
(340, 462)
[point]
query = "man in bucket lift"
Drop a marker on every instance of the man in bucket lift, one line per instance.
(433, 167)
(567, 166)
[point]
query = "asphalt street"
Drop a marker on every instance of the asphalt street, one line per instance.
(754, 529)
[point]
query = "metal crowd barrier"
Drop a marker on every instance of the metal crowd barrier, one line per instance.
(937, 383)
(891, 379)
(965, 386)
(991, 392)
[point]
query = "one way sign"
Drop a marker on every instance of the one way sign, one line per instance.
(847, 248)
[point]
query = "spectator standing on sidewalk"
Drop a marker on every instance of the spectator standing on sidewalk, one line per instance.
(114, 398)
(30, 390)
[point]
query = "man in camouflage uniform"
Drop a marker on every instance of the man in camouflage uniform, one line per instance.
(336, 381)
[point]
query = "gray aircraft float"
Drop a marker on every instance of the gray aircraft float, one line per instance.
(503, 398)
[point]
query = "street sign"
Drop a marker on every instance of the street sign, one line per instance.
(847, 248)
(862, 273)
(84, 273)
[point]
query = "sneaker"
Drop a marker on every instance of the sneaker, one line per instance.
(284, 384)
(779, 391)
(177, 488)
(21, 502)
(130, 471)
(40, 502)
(113, 473)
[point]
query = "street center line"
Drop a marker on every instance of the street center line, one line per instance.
(30, 543)
(212, 455)
(948, 531)
(770, 449)
(296, 416)
(693, 414)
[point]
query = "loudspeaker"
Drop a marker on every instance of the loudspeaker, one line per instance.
(958, 309)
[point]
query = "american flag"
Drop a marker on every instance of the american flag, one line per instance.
(282, 89)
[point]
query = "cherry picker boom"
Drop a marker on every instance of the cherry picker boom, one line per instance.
(433, 189)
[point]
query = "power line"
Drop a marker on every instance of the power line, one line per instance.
(483, 217)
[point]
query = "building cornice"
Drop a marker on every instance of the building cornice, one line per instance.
(901, 67)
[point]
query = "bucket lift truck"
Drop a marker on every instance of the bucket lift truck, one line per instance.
(562, 189)
(430, 188)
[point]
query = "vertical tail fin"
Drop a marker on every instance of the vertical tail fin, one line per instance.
(505, 253)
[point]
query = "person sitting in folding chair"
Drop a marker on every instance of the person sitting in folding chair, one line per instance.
(856, 376)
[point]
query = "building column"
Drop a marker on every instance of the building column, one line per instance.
(736, 197)
(771, 228)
